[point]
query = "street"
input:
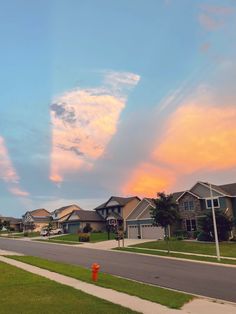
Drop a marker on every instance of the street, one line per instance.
(207, 280)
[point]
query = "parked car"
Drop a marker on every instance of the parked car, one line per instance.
(45, 232)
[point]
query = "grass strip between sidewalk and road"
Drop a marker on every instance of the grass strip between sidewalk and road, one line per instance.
(169, 298)
(23, 292)
(227, 249)
(58, 241)
(178, 255)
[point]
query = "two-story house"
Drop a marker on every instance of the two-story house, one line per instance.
(60, 215)
(193, 203)
(117, 207)
(36, 219)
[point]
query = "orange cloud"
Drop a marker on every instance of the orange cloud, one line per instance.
(83, 123)
(199, 136)
(147, 180)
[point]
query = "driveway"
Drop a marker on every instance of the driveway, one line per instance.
(111, 244)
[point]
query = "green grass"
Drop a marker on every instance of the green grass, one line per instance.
(21, 235)
(23, 292)
(178, 255)
(159, 295)
(94, 237)
(227, 249)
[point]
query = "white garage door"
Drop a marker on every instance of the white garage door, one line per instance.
(151, 232)
(133, 232)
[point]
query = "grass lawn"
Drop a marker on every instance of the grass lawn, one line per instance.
(227, 249)
(94, 237)
(23, 292)
(179, 255)
(159, 295)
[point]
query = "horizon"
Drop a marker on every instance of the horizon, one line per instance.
(114, 98)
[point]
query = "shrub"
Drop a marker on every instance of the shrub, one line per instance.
(87, 228)
(84, 237)
(181, 234)
(204, 236)
(26, 233)
(196, 234)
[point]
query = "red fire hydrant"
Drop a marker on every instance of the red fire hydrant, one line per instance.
(95, 269)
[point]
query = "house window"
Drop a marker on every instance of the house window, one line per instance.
(191, 225)
(188, 205)
(216, 203)
(118, 210)
(103, 212)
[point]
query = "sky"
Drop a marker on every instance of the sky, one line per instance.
(102, 98)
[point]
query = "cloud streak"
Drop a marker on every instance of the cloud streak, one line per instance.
(8, 173)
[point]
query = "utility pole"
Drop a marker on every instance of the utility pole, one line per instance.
(214, 224)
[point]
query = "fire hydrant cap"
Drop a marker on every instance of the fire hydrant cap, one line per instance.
(95, 266)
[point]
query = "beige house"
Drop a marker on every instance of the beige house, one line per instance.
(36, 219)
(61, 214)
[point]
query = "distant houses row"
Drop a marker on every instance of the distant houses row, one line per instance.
(135, 212)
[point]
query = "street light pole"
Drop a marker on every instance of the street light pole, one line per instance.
(214, 224)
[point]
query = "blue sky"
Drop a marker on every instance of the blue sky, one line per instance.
(114, 97)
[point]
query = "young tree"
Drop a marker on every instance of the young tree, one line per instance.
(223, 222)
(165, 213)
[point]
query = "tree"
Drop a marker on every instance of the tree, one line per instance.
(49, 228)
(165, 213)
(223, 222)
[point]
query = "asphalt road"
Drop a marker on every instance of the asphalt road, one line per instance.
(207, 280)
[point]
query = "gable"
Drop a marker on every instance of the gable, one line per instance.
(73, 216)
(203, 191)
(112, 203)
(146, 213)
(138, 209)
(28, 218)
(186, 194)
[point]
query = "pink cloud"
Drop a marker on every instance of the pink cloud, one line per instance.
(18, 192)
(84, 122)
(8, 173)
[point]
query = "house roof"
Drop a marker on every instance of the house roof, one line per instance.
(86, 215)
(122, 201)
(229, 188)
(40, 212)
(74, 206)
(11, 219)
(224, 190)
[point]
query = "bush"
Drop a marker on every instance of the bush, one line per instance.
(204, 236)
(84, 237)
(181, 234)
(196, 234)
(87, 228)
(26, 233)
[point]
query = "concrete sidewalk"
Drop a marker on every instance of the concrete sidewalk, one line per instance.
(203, 306)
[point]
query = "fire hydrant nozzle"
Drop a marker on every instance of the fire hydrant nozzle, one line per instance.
(95, 269)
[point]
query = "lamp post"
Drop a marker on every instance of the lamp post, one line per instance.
(214, 224)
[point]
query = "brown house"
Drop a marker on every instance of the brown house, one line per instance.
(15, 224)
(36, 219)
(118, 207)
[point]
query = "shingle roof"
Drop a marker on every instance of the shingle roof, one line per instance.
(229, 188)
(176, 195)
(58, 210)
(87, 215)
(11, 219)
(216, 188)
(122, 201)
(40, 212)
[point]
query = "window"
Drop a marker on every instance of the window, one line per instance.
(215, 203)
(191, 225)
(188, 205)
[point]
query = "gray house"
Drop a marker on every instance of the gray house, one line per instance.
(77, 220)
(193, 203)
(139, 224)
